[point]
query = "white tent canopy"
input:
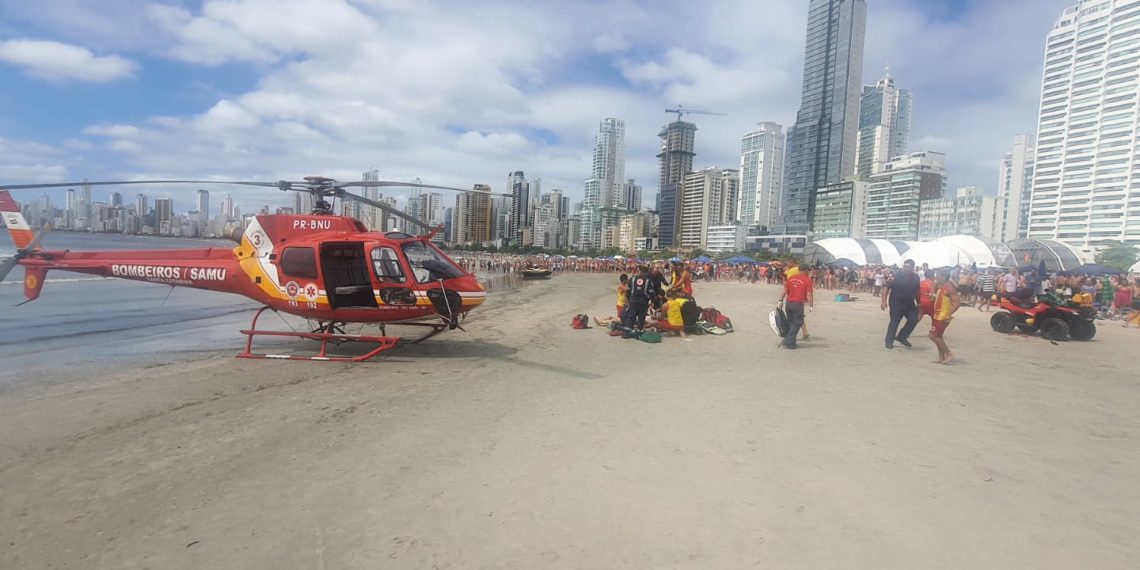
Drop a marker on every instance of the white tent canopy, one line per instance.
(1135, 268)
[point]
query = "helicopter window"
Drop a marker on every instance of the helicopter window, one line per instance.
(428, 264)
(387, 265)
(299, 262)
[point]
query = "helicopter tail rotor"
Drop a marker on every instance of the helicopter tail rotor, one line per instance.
(26, 242)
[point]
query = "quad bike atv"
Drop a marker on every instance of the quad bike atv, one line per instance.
(1054, 318)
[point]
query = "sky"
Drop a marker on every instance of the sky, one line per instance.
(458, 93)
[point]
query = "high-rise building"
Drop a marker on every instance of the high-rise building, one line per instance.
(709, 199)
(472, 223)
(761, 175)
(164, 216)
(678, 141)
(821, 146)
(884, 125)
(894, 200)
(141, 207)
(1015, 186)
(203, 212)
(227, 212)
(839, 210)
(631, 196)
(604, 187)
(519, 190)
(557, 201)
(634, 226)
(609, 161)
(1086, 175)
(967, 212)
(116, 200)
(370, 215)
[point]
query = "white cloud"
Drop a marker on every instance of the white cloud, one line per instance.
(113, 130)
(457, 96)
(59, 61)
(33, 172)
(78, 144)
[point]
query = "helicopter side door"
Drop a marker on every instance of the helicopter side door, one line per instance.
(347, 281)
(389, 271)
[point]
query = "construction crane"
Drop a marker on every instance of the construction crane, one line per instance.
(681, 112)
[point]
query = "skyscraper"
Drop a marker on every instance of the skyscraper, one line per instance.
(761, 175)
(116, 200)
(1086, 176)
(884, 125)
(821, 146)
(163, 215)
(631, 196)
(678, 140)
(604, 187)
(519, 190)
(709, 199)
(1015, 185)
(140, 205)
(370, 215)
(473, 216)
(203, 213)
(227, 212)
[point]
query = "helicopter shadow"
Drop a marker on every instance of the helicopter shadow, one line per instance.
(480, 349)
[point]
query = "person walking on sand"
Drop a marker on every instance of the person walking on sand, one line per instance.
(797, 291)
(901, 293)
(945, 306)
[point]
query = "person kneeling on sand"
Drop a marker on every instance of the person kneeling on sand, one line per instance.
(673, 321)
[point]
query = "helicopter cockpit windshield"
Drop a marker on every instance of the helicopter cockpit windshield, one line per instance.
(428, 264)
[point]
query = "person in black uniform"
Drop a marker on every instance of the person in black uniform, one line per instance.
(901, 294)
(641, 292)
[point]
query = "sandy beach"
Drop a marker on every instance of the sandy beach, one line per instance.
(525, 444)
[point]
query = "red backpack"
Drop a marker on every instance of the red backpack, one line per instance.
(580, 321)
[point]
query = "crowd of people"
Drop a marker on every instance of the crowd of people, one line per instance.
(652, 296)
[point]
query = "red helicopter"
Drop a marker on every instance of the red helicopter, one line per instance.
(327, 268)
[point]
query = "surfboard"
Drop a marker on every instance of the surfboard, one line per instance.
(779, 322)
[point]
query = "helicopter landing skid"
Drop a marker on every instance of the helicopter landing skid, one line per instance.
(435, 328)
(382, 343)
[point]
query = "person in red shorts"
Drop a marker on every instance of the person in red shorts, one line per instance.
(926, 295)
(945, 305)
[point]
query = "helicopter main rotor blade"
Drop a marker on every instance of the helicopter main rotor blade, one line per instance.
(278, 184)
(7, 266)
(385, 207)
(10, 263)
(389, 184)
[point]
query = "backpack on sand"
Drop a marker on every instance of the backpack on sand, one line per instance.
(691, 313)
(709, 328)
(650, 337)
(580, 321)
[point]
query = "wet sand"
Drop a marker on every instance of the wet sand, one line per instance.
(525, 444)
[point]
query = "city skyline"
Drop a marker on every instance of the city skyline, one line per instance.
(624, 73)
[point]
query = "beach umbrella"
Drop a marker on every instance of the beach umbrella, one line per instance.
(740, 259)
(703, 259)
(1095, 269)
(674, 258)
